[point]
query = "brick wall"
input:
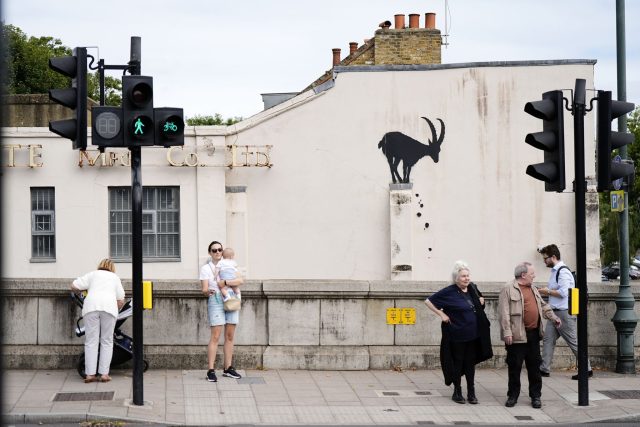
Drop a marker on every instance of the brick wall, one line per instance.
(407, 46)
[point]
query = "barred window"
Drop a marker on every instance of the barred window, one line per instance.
(160, 223)
(43, 224)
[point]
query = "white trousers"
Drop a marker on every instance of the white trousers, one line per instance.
(98, 327)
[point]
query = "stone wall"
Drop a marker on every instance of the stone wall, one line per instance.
(283, 325)
(36, 110)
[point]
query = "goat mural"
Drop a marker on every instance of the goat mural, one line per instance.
(397, 147)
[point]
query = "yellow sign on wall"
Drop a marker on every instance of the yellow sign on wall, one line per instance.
(401, 316)
(617, 201)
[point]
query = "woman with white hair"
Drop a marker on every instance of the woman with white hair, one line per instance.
(465, 331)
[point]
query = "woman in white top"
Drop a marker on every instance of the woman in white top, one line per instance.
(218, 318)
(105, 297)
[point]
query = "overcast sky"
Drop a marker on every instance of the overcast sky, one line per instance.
(215, 56)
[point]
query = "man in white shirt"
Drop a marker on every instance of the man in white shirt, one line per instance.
(560, 281)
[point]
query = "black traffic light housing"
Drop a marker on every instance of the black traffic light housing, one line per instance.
(609, 140)
(169, 124)
(551, 140)
(137, 110)
(74, 97)
(106, 127)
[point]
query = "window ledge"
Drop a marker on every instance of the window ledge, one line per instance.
(41, 260)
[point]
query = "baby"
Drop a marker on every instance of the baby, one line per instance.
(227, 269)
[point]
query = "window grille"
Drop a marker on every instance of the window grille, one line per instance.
(160, 223)
(43, 225)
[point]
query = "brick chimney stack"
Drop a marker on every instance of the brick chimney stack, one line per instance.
(336, 56)
(409, 46)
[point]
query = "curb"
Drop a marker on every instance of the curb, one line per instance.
(47, 418)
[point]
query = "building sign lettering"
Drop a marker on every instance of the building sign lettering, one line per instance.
(35, 155)
(106, 159)
(235, 156)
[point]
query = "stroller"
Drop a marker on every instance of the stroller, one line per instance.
(122, 343)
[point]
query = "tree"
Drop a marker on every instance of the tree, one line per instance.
(28, 72)
(27, 62)
(609, 221)
(216, 120)
(112, 89)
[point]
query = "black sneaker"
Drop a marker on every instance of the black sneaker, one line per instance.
(231, 373)
(211, 376)
(544, 374)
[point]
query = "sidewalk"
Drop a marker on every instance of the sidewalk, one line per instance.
(311, 397)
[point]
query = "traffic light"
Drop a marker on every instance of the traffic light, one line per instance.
(137, 110)
(609, 140)
(169, 126)
(551, 140)
(74, 97)
(106, 124)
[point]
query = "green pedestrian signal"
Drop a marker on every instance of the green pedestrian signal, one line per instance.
(137, 110)
(139, 127)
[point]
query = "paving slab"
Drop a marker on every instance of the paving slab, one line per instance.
(296, 397)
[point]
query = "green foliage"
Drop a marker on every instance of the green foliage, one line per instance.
(112, 89)
(28, 72)
(27, 62)
(610, 246)
(216, 120)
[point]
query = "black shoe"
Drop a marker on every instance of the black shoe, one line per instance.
(589, 375)
(472, 399)
(536, 403)
(211, 376)
(231, 373)
(544, 374)
(457, 395)
(511, 402)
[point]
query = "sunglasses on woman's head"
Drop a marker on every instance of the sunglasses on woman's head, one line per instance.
(214, 250)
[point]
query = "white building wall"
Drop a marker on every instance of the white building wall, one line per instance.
(322, 210)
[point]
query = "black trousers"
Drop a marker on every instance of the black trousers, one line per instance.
(528, 352)
(464, 362)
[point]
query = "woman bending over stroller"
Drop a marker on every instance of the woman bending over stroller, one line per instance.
(105, 296)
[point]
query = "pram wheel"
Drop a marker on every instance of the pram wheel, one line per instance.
(80, 366)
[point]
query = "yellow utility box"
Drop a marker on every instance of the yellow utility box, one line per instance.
(147, 295)
(574, 301)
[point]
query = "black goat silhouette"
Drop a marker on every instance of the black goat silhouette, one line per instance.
(400, 147)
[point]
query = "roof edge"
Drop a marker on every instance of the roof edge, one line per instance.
(424, 67)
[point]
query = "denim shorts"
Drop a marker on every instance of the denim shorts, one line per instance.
(217, 315)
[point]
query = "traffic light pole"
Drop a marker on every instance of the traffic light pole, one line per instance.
(579, 110)
(624, 319)
(136, 248)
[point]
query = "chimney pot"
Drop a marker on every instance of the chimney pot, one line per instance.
(336, 56)
(353, 46)
(414, 20)
(385, 24)
(430, 20)
(399, 21)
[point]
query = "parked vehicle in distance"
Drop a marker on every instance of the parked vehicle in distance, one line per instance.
(612, 271)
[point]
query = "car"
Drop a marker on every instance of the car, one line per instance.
(612, 271)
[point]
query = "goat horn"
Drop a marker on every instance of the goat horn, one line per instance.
(433, 130)
(441, 132)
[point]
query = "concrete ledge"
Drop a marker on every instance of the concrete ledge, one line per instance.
(315, 288)
(345, 358)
